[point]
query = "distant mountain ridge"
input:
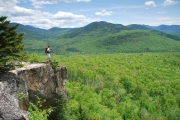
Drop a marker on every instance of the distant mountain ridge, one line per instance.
(33, 32)
(172, 29)
(99, 38)
(139, 27)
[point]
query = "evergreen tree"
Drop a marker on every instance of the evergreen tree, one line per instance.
(10, 45)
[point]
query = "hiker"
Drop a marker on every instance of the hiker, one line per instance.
(47, 51)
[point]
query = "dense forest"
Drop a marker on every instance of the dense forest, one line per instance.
(123, 86)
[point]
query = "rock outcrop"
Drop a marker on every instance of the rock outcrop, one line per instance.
(35, 79)
(9, 108)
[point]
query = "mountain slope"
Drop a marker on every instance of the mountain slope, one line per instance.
(96, 29)
(129, 41)
(139, 41)
(99, 38)
(139, 27)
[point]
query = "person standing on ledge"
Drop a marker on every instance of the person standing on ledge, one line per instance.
(47, 50)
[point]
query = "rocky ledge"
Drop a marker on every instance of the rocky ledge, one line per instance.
(24, 83)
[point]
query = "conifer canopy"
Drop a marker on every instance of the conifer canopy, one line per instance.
(10, 45)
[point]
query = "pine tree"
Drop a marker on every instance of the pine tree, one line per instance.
(10, 45)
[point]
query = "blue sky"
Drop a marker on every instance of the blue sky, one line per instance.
(78, 13)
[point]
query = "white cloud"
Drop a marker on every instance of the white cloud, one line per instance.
(20, 11)
(9, 3)
(104, 13)
(41, 19)
(150, 4)
(76, 0)
(168, 2)
(40, 3)
(165, 18)
(9, 8)
(67, 16)
(47, 20)
(67, 19)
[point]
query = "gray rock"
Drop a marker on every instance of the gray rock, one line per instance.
(9, 108)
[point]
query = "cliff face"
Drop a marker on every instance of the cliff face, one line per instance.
(35, 79)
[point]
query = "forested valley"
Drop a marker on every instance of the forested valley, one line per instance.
(123, 86)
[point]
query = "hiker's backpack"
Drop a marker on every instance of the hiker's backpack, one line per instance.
(45, 50)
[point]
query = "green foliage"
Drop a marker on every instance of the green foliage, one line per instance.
(23, 56)
(54, 64)
(59, 112)
(34, 46)
(123, 86)
(33, 58)
(21, 96)
(36, 113)
(10, 45)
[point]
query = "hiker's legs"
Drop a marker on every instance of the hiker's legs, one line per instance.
(48, 56)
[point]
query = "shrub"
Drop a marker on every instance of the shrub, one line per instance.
(36, 113)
